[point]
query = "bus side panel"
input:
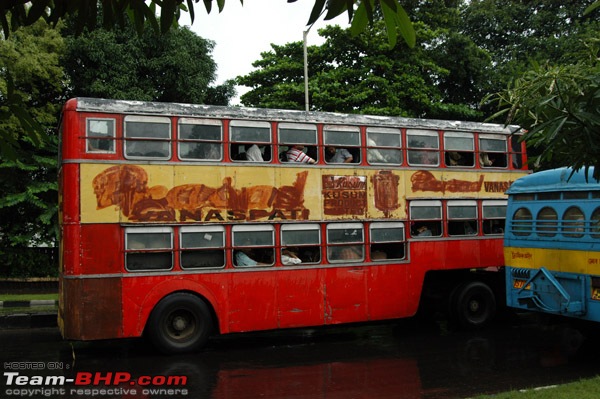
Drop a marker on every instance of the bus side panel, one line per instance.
(392, 293)
(252, 300)
(94, 307)
(345, 294)
(300, 297)
(101, 248)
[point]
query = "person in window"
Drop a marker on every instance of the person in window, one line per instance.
(339, 155)
(253, 153)
(373, 154)
(296, 154)
(289, 257)
(484, 160)
(455, 159)
(423, 231)
(245, 257)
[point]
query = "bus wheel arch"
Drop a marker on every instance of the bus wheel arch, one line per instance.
(473, 305)
(180, 322)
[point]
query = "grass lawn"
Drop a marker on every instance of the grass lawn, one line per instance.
(28, 297)
(584, 389)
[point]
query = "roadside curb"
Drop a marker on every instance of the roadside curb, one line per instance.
(28, 320)
(26, 304)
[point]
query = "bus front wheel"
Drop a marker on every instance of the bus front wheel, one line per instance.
(474, 305)
(180, 323)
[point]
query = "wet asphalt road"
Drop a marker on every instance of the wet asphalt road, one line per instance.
(404, 359)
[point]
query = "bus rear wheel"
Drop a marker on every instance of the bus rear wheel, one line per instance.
(474, 305)
(180, 323)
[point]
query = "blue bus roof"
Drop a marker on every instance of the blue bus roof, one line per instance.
(561, 179)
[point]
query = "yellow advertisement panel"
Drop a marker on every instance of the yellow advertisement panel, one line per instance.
(228, 193)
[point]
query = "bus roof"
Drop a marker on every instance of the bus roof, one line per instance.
(561, 179)
(84, 104)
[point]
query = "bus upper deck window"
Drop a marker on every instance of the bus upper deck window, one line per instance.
(305, 135)
(100, 135)
(459, 149)
(423, 147)
(200, 139)
(147, 137)
(342, 144)
(250, 141)
(384, 146)
(492, 151)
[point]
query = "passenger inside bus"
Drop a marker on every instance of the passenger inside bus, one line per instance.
(338, 155)
(247, 257)
(296, 154)
(289, 256)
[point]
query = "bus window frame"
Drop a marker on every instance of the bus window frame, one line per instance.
(353, 146)
(467, 225)
(522, 227)
(383, 153)
(149, 251)
(413, 149)
(201, 141)
(384, 244)
(353, 247)
(546, 226)
(494, 227)
(244, 142)
(433, 222)
(145, 139)
(463, 152)
(208, 231)
(285, 144)
(253, 228)
(495, 153)
(94, 141)
(284, 227)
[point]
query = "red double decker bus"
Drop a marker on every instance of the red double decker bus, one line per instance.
(181, 221)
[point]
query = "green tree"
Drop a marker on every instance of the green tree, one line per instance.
(30, 67)
(438, 78)
(516, 33)
(560, 107)
(174, 67)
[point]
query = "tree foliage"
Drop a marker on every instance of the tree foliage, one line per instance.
(560, 105)
(143, 13)
(28, 187)
(438, 78)
(174, 67)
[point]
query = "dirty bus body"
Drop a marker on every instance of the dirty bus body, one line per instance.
(552, 244)
(162, 204)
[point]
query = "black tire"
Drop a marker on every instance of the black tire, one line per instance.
(180, 323)
(474, 305)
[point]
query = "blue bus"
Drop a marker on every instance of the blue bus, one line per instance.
(552, 243)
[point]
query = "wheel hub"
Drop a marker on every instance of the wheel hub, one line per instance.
(180, 323)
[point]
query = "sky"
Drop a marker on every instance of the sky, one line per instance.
(241, 33)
